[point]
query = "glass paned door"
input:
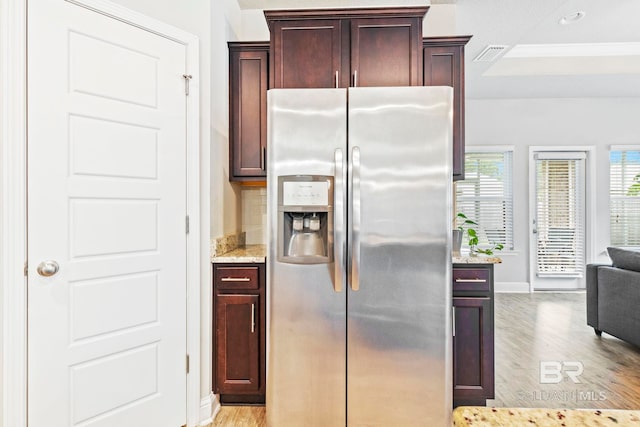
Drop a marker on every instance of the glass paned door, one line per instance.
(559, 220)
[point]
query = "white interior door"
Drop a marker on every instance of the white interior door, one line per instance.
(559, 220)
(107, 204)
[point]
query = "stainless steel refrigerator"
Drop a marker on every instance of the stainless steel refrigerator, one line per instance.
(359, 288)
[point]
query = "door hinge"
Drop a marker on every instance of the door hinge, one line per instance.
(187, 363)
(187, 79)
(186, 224)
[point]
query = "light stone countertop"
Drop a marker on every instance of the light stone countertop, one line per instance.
(480, 259)
(542, 417)
(258, 253)
(245, 254)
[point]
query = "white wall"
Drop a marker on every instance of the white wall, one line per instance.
(254, 26)
(225, 197)
(598, 122)
(440, 20)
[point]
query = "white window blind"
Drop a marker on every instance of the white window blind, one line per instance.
(486, 196)
(624, 190)
(560, 214)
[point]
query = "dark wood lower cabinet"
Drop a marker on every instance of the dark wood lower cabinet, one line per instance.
(239, 333)
(473, 341)
(238, 343)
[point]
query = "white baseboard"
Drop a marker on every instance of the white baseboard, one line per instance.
(511, 287)
(209, 408)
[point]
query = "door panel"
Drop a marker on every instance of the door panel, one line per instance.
(444, 66)
(399, 336)
(473, 362)
(248, 108)
(306, 366)
(237, 343)
(386, 52)
(306, 54)
(107, 192)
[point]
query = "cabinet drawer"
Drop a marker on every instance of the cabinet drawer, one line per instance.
(237, 277)
(471, 279)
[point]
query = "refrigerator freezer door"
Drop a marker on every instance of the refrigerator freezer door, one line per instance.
(399, 320)
(306, 363)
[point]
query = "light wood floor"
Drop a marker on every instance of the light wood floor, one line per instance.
(543, 327)
(534, 328)
(241, 416)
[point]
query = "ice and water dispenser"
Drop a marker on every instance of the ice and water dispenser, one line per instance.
(305, 219)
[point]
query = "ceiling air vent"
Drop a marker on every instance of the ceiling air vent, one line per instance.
(490, 53)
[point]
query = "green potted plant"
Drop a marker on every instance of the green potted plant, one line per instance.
(468, 226)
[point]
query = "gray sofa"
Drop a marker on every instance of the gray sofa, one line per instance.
(613, 296)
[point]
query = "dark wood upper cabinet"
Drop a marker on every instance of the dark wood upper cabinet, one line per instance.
(325, 48)
(306, 54)
(443, 65)
(346, 47)
(386, 52)
(248, 72)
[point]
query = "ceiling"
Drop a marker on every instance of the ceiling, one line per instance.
(596, 56)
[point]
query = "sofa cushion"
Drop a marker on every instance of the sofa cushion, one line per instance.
(624, 258)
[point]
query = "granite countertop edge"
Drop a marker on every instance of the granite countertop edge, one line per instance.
(517, 417)
(468, 259)
(244, 254)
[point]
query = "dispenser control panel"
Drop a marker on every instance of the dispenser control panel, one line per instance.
(306, 193)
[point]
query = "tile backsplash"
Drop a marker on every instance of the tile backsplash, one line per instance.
(254, 215)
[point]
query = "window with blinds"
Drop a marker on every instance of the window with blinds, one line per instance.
(624, 192)
(560, 214)
(486, 195)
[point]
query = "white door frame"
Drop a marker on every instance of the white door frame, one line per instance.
(590, 206)
(13, 193)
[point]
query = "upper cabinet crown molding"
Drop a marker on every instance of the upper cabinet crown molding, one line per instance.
(339, 13)
(446, 40)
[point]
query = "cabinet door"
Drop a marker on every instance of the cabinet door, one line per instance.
(237, 343)
(386, 52)
(307, 53)
(248, 113)
(443, 65)
(473, 353)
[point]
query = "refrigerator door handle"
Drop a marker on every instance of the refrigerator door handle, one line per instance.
(355, 218)
(338, 222)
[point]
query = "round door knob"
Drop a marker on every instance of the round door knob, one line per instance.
(48, 268)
